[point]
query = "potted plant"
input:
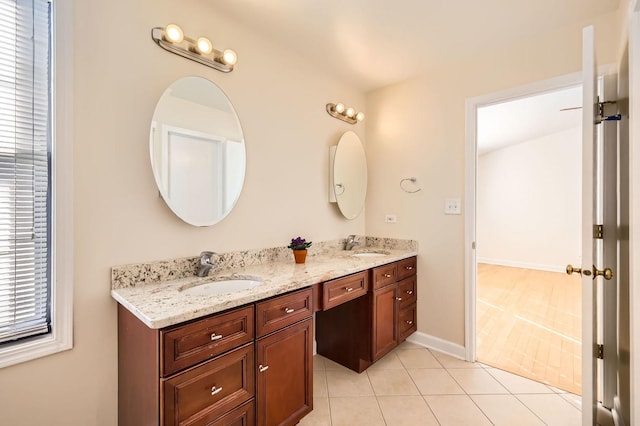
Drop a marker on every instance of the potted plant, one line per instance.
(299, 246)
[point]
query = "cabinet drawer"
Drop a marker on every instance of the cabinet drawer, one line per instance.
(282, 311)
(407, 322)
(406, 268)
(407, 292)
(245, 415)
(187, 345)
(344, 289)
(202, 394)
(384, 275)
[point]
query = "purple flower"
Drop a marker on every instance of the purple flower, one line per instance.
(299, 243)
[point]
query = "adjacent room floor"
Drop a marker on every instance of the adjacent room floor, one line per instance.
(529, 323)
(416, 386)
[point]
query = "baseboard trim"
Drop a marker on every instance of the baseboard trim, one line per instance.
(516, 264)
(438, 344)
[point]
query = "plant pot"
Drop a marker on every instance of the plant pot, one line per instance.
(300, 255)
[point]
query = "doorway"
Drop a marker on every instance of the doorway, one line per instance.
(528, 227)
(526, 223)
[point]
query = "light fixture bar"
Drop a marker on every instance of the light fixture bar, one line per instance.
(187, 48)
(349, 115)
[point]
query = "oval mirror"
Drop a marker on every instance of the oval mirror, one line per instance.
(197, 151)
(350, 175)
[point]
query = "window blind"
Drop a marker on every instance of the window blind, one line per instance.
(25, 154)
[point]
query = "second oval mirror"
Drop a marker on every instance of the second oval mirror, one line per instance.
(197, 151)
(350, 175)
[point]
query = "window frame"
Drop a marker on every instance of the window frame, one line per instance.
(61, 336)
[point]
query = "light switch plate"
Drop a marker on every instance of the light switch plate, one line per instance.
(452, 206)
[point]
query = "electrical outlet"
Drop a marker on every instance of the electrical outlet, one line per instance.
(391, 218)
(452, 206)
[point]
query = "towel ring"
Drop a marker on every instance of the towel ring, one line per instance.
(414, 181)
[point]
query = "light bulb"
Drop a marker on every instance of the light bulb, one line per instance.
(173, 33)
(350, 112)
(339, 108)
(229, 57)
(204, 46)
(360, 116)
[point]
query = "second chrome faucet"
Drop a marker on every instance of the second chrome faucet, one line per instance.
(350, 242)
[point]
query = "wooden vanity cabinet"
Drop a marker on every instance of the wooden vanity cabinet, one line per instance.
(357, 331)
(248, 366)
(343, 325)
(284, 352)
(196, 373)
(394, 305)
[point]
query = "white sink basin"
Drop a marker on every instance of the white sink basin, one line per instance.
(221, 287)
(370, 254)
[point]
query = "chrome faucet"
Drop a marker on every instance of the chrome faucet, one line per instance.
(205, 263)
(350, 242)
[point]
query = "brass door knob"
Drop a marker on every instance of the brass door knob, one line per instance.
(579, 271)
(607, 273)
(572, 270)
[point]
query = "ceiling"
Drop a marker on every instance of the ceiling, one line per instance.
(374, 43)
(525, 119)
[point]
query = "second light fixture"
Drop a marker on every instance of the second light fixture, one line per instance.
(343, 113)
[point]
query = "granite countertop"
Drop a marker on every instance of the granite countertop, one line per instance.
(162, 303)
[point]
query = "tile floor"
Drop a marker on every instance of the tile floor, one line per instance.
(416, 386)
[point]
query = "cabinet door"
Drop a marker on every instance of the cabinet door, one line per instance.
(385, 335)
(285, 375)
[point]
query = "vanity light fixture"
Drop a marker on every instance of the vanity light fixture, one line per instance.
(171, 38)
(349, 115)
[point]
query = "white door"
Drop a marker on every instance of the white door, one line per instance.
(589, 294)
(599, 216)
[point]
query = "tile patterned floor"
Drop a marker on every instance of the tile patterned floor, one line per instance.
(416, 386)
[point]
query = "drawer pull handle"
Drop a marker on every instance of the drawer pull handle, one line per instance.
(348, 289)
(399, 299)
(387, 275)
(215, 336)
(289, 310)
(263, 368)
(215, 390)
(409, 292)
(408, 268)
(409, 322)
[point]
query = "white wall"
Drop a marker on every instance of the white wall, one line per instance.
(529, 203)
(120, 74)
(417, 128)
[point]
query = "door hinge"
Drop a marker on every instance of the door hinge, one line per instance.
(600, 351)
(601, 115)
(598, 232)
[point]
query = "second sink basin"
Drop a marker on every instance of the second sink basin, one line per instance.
(370, 254)
(221, 287)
